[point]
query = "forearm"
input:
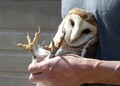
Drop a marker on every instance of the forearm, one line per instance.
(107, 72)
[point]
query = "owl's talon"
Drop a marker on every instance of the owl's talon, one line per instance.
(30, 46)
(28, 38)
(54, 47)
(45, 46)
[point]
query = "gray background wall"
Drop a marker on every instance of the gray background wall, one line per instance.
(17, 17)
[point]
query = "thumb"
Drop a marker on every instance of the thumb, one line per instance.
(41, 67)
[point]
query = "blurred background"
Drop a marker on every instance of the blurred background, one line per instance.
(17, 17)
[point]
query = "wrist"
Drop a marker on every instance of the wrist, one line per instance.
(91, 70)
(85, 70)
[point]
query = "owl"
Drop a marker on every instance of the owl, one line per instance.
(77, 34)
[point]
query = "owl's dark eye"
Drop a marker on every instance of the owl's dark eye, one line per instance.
(86, 31)
(72, 23)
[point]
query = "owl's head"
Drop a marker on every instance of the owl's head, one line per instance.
(80, 26)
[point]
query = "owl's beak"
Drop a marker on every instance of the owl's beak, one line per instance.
(74, 38)
(71, 39)
(75, 35)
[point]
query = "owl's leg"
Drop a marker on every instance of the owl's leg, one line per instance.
(54, 46)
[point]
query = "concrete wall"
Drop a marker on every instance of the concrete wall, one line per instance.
(17, 17)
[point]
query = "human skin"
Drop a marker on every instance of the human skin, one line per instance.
(73, 70)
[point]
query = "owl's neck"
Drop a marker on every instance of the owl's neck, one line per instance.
(65, 49)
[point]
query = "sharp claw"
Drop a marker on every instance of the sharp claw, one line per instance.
(15, 43)
(38, 29)
(27, 33)
(28, 38)
(43, 44)
(53, 48)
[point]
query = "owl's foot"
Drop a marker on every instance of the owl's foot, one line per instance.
(31, 43)
(54, 46)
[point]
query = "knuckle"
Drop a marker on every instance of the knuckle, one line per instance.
(31, 68)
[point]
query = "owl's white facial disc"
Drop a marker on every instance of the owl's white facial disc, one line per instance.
(78, 31)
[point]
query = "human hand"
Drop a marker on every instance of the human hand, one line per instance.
(65, 70)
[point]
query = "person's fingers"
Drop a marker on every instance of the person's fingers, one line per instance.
(35, 78)
(44, 66)
(39, 67)
(32, 79)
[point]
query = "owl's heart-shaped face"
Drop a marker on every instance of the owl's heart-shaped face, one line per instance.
(78, 31)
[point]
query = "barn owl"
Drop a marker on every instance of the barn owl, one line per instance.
(77, 34)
